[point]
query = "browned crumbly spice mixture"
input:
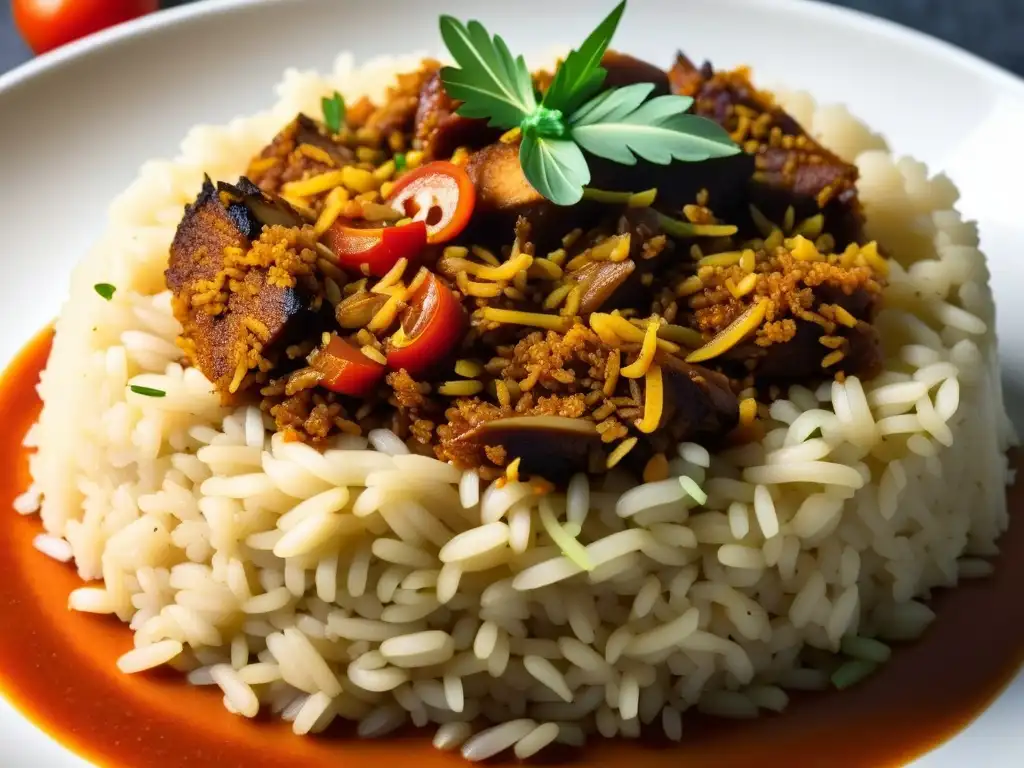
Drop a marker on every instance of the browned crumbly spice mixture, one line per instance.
(788, 283)
(555, 328)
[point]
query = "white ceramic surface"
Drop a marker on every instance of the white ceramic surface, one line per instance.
(76, 124)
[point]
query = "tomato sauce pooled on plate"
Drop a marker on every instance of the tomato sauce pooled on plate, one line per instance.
(58, 668)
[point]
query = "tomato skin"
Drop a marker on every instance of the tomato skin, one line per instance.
(379, 249)
(49, 24)
(440, 186)
(432, 325)
(346, 370)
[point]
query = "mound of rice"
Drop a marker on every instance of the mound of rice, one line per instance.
(369, 584)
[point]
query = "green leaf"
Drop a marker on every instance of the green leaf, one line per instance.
(612, 105)
(334, 111)
(659, 108)
(581, 74)
(555, 167)
(489, 81)
(106, 290)
(619, 126)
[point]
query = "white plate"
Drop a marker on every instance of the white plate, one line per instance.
(76, 124)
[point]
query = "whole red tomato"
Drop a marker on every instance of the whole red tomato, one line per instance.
(48, 24)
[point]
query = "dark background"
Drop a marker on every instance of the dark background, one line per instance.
(993, 29)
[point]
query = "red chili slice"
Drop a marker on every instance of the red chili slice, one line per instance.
(441, 194)
(432, 325)
(345, 369)
(378, 249)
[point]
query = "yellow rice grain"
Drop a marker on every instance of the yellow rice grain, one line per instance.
(314, 185)
(463, 388)
(620, 451)
(640, 366)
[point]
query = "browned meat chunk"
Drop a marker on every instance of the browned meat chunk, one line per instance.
(699, 405)
(802, 358)
(439, 130)
(553, 447)
(503, 195)
(791, 168)
(235, 296)
(624, 69)
(397, 115)
(500, 183)
(303, 148)
(699, 402)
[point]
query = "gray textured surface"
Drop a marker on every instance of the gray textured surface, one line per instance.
(993, 29)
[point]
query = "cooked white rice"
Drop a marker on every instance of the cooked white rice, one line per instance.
(366, 584)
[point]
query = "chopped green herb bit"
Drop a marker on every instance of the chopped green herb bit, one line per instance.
(563, 539)
(400, 162)
(147, 391)
(684, 229)
(866, 649)
(693, 490)
(106, 290)
(853, 672)
(334, 111)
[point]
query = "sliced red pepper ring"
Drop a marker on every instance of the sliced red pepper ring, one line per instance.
(378, 249)
(346, 370)
(431, 326)
(440, 194)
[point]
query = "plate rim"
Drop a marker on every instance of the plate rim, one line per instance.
(170, 17)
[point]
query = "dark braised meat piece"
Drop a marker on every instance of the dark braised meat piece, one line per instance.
(699, 402)
(802, 357)
(791, 167)
(503, 195)
(439, 130)
(726, 180)
(553, 447)
(238, 285)
(303, 148)
(624, 69)
(699, 405)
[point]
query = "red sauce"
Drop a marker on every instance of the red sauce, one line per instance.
(58, 668)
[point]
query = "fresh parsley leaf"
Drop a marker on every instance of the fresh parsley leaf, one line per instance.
(489, 81)
(619, 125)
(613, 104)
(580, 76)
(106, 290)
(400, 162)
(334, 111)
(147, 391)
(555, 167)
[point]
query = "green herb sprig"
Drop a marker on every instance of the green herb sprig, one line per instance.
(618, 124)
(334, 111)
